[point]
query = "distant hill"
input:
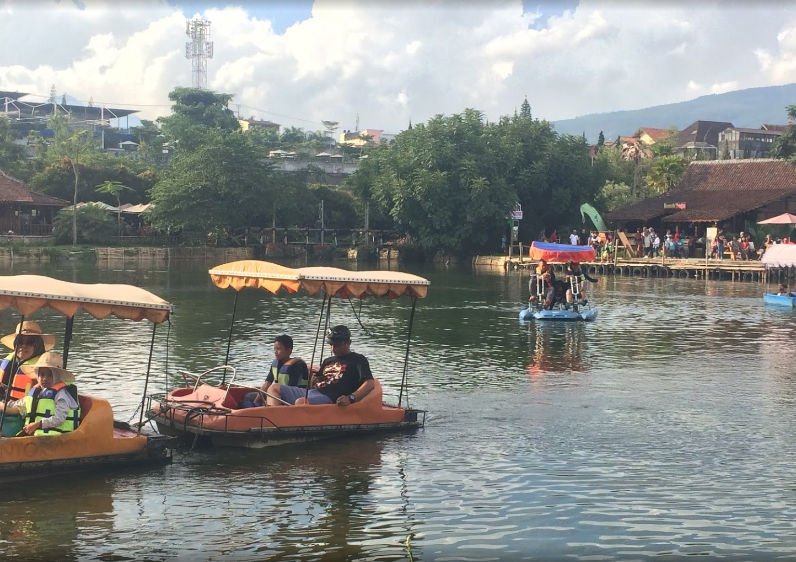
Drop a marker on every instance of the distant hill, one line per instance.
(743, 108)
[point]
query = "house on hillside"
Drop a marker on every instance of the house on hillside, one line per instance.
(650, 135)
(25, 212)
(737, 143)
(360, 138)
(252, 124)
(731, 194)
(700, 140)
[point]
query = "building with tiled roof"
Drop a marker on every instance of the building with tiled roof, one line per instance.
(651, 135)
(26, 212)
(718, 192)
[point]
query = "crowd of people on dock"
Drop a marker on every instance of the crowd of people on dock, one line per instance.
(602, 242)
(647, 242)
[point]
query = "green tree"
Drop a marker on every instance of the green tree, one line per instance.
(150, 142)
(785, 145)
(71, 146)
(195, 114)
(614, 195)
(219, 188)
(115, 188)
(12, 155)
(94, 225)
(665, 173)
(525, 109)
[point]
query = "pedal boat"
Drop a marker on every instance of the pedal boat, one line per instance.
(560, 314)
(779, 256)
(209, 413)
(99, 440)
(557, 253)
(779, 300)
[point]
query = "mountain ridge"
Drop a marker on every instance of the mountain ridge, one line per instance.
(750, 107)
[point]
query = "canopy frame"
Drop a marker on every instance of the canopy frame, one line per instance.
(329, 282)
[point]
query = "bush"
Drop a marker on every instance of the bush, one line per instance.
(95, 225)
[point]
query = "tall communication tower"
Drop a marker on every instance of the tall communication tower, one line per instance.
(199, 49)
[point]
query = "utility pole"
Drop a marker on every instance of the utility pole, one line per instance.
(321, 209)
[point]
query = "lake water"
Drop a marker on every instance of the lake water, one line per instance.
(664, 428)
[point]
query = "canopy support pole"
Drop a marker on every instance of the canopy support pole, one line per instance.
(229, 338)
(70, 322)
(146, 380)
(315, 343)
(406, 356)
(12, 371)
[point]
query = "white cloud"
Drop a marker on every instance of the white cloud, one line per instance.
(392, 62)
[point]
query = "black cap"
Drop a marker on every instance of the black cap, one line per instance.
(338, 333)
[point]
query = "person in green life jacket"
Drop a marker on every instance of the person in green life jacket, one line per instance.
(287, 377)
(27, 343)
(52, 406)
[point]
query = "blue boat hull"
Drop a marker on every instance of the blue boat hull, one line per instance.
(779, 300)
(560, 315)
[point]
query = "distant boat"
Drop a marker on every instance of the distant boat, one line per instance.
(561, 310)
(780, 255)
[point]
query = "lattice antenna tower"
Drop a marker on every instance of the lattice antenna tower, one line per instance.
(199, 49)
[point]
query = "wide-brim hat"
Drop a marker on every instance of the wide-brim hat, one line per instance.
(28, 328)
(55, 362)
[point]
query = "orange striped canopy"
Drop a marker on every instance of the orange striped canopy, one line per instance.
(332, 281)
(29, 293)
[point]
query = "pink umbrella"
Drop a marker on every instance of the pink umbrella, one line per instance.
(784, 218)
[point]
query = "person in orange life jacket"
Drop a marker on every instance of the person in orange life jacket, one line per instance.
(287, 378)
(27, 343)
(574, 269)
(345, 377)
(51, 407)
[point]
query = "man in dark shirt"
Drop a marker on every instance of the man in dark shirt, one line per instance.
(343, 378)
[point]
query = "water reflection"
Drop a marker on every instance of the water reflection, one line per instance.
(52, 523)
(556, 347)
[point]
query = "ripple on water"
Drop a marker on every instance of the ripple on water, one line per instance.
(664, 428)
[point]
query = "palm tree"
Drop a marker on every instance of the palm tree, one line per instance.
(114, 188)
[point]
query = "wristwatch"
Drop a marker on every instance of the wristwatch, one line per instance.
(352, 398)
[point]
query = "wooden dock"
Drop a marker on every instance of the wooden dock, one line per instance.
(694, 268)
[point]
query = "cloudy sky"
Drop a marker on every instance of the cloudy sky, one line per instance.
(391, 62)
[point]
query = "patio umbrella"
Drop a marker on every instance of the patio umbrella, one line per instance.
(784, 218)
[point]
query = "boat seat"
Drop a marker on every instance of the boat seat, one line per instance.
(85, 405)
(235, 397)
(374, 395)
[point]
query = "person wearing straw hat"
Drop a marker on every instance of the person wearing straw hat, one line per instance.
(27, 342)
(51, 407)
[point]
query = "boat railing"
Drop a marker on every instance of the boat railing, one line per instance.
(196, 380)
(574, 285)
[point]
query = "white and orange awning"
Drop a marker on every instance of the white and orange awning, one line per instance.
(331, 281)
(29, 293)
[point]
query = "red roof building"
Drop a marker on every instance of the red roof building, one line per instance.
(26, 212)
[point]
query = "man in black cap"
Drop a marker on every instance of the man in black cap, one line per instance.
(343, 378)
